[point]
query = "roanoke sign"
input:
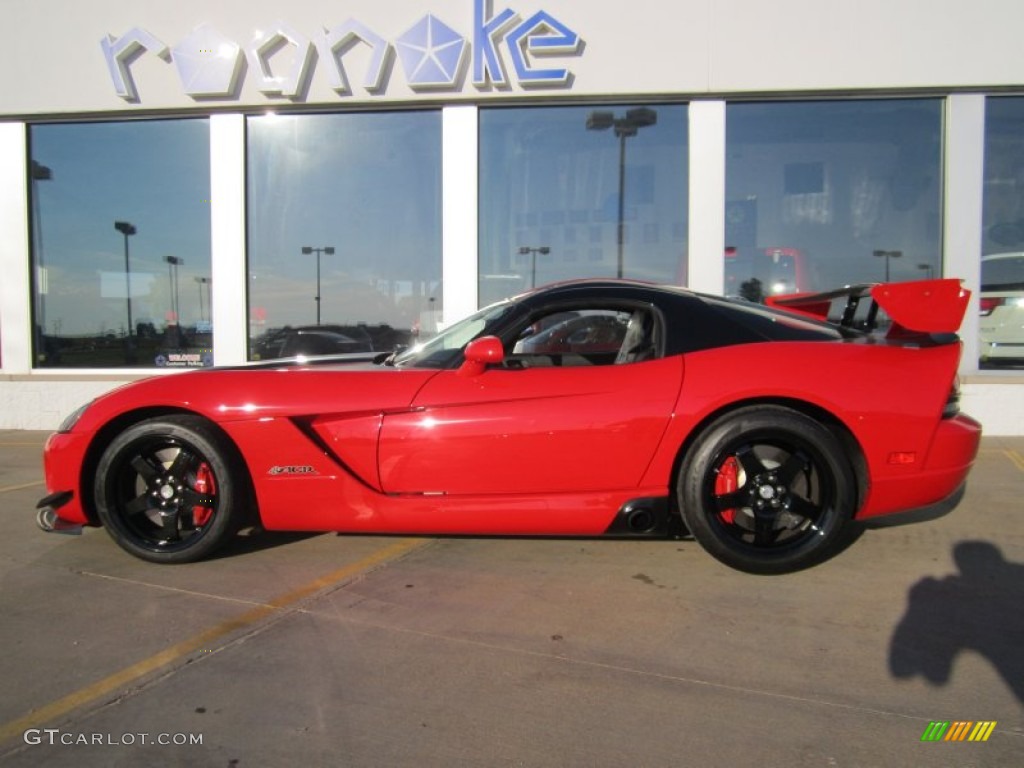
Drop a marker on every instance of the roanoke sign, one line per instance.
(504, 49)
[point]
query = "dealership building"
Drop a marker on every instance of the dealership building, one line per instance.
(190, 184)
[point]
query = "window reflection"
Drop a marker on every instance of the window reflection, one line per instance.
(120, 222)
(550, 202)
(822, 194)
(344, 232)
(1001, 302)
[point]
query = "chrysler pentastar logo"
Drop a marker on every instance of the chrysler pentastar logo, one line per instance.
(431, 53)
(433, 56)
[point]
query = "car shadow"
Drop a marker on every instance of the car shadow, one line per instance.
(251, 540)
(977, 609)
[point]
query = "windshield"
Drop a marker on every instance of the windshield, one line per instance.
(443, 349)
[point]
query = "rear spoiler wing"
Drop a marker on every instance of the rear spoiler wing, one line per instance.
(920, 306)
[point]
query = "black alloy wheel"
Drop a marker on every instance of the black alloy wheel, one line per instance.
(767, 489)
(169, 490)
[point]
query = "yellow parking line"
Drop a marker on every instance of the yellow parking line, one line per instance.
(1016, 458)
(6, 488)
(48, 713)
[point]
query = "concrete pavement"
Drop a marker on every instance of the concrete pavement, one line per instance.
(385, 651)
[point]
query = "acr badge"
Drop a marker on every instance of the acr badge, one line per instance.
(303, 469)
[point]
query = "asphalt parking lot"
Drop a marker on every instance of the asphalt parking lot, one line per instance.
(383, 651)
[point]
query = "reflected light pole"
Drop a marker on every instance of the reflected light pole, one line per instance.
(523, 250)
(40, 172)
(888, 255)
(928, 269)
(202, 281)
(127, 229)
(625, 127)
(329, 250)
(173, 262)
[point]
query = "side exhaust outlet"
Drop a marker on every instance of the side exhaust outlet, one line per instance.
(641, 520)
(646, 517)
(47, 519)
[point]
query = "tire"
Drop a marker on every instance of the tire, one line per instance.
(170, 489)
(767, 490)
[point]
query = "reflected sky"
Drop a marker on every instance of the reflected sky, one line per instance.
(837, 181)
(549, 181)
(106, 172)
(1004, 176)
(366, 185)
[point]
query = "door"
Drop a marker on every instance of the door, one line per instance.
(566, 417)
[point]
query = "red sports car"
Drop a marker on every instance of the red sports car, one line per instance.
(762, 431)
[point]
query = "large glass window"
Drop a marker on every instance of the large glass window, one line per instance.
(569, 192)
(344, 231)
(822, 194)
(120, 220)
(1001, 326)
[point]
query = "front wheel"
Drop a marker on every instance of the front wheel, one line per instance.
(169, 489)
(766, 489)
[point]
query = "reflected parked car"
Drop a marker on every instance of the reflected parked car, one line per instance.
(1001, 330)
(319, 340)
(312, 340)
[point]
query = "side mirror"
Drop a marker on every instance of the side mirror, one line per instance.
(479, 353)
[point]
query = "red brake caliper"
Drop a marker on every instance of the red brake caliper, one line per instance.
(203, 486)
(728, 480)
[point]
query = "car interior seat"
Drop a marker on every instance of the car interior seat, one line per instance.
(638, 343)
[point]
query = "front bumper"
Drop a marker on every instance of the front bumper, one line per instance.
(48, 517)
(63, 459)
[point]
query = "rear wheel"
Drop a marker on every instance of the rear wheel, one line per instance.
(766, 489)
(169, 490)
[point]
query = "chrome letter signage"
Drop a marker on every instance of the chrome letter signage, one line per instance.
(433, 56)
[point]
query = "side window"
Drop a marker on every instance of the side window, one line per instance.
(582, 337)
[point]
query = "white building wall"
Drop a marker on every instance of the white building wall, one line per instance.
(705, 52)
(645, 47)
(227, 237)
(15, 341)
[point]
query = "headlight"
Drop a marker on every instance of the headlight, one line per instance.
(69, 423)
